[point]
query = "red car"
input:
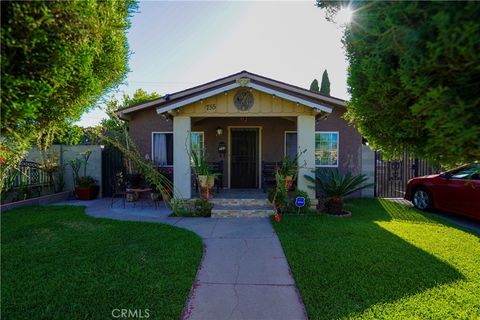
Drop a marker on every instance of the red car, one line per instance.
(455, 191)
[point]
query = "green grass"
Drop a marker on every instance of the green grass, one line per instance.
(388, 261)
(59, 263)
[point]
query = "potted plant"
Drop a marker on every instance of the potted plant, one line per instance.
(288, 170)
(86, 187)
(336, 187)
(204, 174)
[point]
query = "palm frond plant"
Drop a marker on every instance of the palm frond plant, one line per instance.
(203, 172)
(336, 187)
(288, 169)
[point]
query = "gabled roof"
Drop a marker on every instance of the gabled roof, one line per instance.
(315, 100)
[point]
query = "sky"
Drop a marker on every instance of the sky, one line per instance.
(178, 45)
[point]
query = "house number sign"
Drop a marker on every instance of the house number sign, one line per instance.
(211, 107)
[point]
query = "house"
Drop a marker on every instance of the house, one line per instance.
(245, 119)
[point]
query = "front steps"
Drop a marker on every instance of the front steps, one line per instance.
(241, 208)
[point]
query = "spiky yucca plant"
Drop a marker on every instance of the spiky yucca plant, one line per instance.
(336, 186)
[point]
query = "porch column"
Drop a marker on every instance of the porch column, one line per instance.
(306, 161)
(181, 159)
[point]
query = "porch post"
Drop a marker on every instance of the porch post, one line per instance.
(181, 159)
(306, 161)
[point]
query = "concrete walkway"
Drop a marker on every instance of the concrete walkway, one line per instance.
(244, 273)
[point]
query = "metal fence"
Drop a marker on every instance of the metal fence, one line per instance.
(391, 177)
(29, 174)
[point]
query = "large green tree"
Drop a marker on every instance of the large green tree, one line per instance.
(414, 77)
(325, 86)
(58, 58)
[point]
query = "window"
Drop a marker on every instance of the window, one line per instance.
(326, 149)
(162, 148)
(290, 144)
(198, 143)
(468, 172)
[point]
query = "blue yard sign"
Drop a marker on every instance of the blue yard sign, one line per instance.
(300, 201)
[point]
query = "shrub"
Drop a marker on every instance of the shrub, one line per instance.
(336, 187)
(285, 202)
(202, 208)
(305, 209)
(181, 208)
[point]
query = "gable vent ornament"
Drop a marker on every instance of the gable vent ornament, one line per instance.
(243, 99)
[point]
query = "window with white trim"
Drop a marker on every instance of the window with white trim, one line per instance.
(198, 143)
(291, 144)
(162, 148)
(326, 149)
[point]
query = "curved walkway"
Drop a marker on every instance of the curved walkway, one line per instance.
(244, 273)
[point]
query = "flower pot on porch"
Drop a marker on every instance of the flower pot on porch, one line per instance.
(87, 193)
(206, 181)
(288, 182)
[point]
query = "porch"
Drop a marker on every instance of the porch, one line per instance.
(242, 147)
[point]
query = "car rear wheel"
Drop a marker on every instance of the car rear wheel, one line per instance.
(422, 199)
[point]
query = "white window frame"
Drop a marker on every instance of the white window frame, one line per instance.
(338, 151)
(155, 132)
(151, 143)
(203, 134)
(285, 141)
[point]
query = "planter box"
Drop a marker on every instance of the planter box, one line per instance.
(51, 198)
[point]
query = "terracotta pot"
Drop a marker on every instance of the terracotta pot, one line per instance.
(206, 181)
(288, 182)
(87, 193)
(205, 193)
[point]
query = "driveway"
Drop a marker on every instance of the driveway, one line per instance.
(244, 273)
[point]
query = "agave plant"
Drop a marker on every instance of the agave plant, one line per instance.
(336, 186)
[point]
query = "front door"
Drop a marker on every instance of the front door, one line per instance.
(244, 158)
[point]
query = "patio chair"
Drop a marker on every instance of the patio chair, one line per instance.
(119, 187)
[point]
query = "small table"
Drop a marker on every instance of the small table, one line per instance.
(142, 193)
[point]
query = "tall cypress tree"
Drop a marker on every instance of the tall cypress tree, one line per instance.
(325, 87)
(314, 86)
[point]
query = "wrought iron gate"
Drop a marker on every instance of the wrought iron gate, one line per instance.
(391, 177)
(112, 162)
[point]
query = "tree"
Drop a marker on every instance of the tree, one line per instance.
(325, 87)
(413, 77)
(314, 86)
(57, 59)
(112, 105)
(139, 96)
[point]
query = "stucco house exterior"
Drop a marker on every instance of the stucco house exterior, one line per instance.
(245, 120)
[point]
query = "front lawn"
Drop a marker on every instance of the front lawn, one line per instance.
(388, 261)
(59, 263)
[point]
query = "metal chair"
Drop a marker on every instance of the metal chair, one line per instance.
(119, 187)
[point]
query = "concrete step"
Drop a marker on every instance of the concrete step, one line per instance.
(239, 202)
(236, 211)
